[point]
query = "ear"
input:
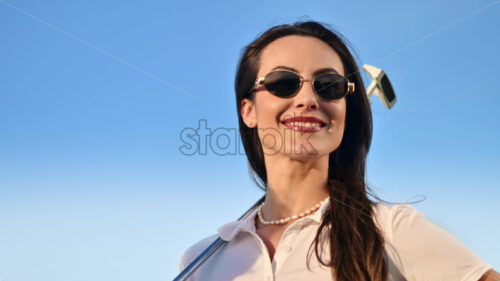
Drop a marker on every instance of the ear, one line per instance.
(248, 113)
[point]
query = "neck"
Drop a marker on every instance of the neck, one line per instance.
(294, 186)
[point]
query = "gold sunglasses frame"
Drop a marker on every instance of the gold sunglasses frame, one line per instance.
(260, 81)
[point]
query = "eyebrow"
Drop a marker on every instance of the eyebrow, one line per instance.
(319, 71)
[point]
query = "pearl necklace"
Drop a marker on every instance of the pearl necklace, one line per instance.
(286, 220)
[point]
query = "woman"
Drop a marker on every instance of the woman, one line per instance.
(306, 126)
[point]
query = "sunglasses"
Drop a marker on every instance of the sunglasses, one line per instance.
(286, 84)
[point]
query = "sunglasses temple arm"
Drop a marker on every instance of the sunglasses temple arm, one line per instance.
(210, 250)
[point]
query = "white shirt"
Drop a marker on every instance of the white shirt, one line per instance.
(417, 249)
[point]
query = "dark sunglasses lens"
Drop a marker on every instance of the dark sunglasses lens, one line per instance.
(282, 83)
(330, 86)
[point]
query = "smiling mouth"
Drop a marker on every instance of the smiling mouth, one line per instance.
(304, 124)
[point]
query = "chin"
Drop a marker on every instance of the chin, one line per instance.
(308, 153)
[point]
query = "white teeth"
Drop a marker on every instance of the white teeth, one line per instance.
(304, 124)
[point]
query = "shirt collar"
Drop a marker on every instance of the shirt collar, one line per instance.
(228, 231)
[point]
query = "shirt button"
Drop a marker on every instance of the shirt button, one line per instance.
(288, 249)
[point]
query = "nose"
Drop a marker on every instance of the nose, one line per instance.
(306, 98)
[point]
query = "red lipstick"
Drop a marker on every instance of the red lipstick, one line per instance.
(304, 123)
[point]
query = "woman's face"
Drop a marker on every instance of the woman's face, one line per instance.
(274, 116)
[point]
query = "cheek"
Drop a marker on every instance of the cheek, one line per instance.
(337, 112)
(269, 110)
(271, 139)
(341, 115)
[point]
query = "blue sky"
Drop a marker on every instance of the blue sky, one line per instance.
(94, 96)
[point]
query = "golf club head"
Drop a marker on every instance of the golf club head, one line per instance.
(381, 87)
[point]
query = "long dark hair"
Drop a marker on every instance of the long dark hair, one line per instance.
(356, 244)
